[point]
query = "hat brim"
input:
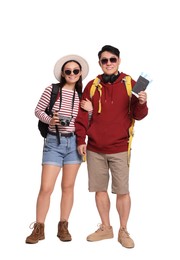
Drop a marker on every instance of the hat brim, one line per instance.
(79, 59)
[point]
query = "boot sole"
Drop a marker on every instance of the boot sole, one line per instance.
(65, 240)
(34, 242)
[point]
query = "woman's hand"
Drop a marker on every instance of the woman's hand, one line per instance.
(86, 105)
(55, 119)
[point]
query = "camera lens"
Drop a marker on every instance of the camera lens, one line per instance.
(63, 123)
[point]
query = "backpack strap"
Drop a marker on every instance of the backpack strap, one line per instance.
(96, 85)
(55, 90)
(54, 93)
(128, 85)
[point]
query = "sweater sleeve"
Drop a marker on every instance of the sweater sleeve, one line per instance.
(138, 111)
(82, 119)
(42, 104)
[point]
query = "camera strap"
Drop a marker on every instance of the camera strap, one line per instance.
(57, 134)
(60, 103)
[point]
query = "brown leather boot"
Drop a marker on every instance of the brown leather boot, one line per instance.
(37, 233)
(63, 232)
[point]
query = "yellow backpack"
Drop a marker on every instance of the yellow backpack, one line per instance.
(97, 86)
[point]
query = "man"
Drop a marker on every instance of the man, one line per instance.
(108, 138)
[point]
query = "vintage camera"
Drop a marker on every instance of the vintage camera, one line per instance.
(64, 120)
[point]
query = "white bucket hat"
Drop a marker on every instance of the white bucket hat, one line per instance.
(72, 57)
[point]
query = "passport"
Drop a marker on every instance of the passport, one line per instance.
(141, 85)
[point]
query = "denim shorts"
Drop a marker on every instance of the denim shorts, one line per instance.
(60, 154)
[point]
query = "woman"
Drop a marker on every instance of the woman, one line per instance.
(60, 153)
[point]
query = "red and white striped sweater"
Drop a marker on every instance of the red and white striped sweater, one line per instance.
(65, 110)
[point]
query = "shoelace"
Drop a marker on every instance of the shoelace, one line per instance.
(100, 227)
(36, 227)
(125, 232)
(65, 228)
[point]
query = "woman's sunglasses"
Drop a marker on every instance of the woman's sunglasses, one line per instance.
(75, 72)
(105, 60)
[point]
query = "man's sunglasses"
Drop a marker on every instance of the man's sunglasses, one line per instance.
(75, 72)
(105, 60)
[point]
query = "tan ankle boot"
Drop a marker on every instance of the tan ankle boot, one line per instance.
(63, 232)
(37, 233)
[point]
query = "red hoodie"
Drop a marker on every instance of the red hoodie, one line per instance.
(108, 131)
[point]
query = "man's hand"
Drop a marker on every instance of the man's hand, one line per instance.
(82, 149)
(142, 97)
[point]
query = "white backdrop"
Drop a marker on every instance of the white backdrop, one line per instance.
(34, 34)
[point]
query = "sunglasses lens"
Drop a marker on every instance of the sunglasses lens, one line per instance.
(67, 72)
(76, 71)
(113, 60)
(104, 61)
